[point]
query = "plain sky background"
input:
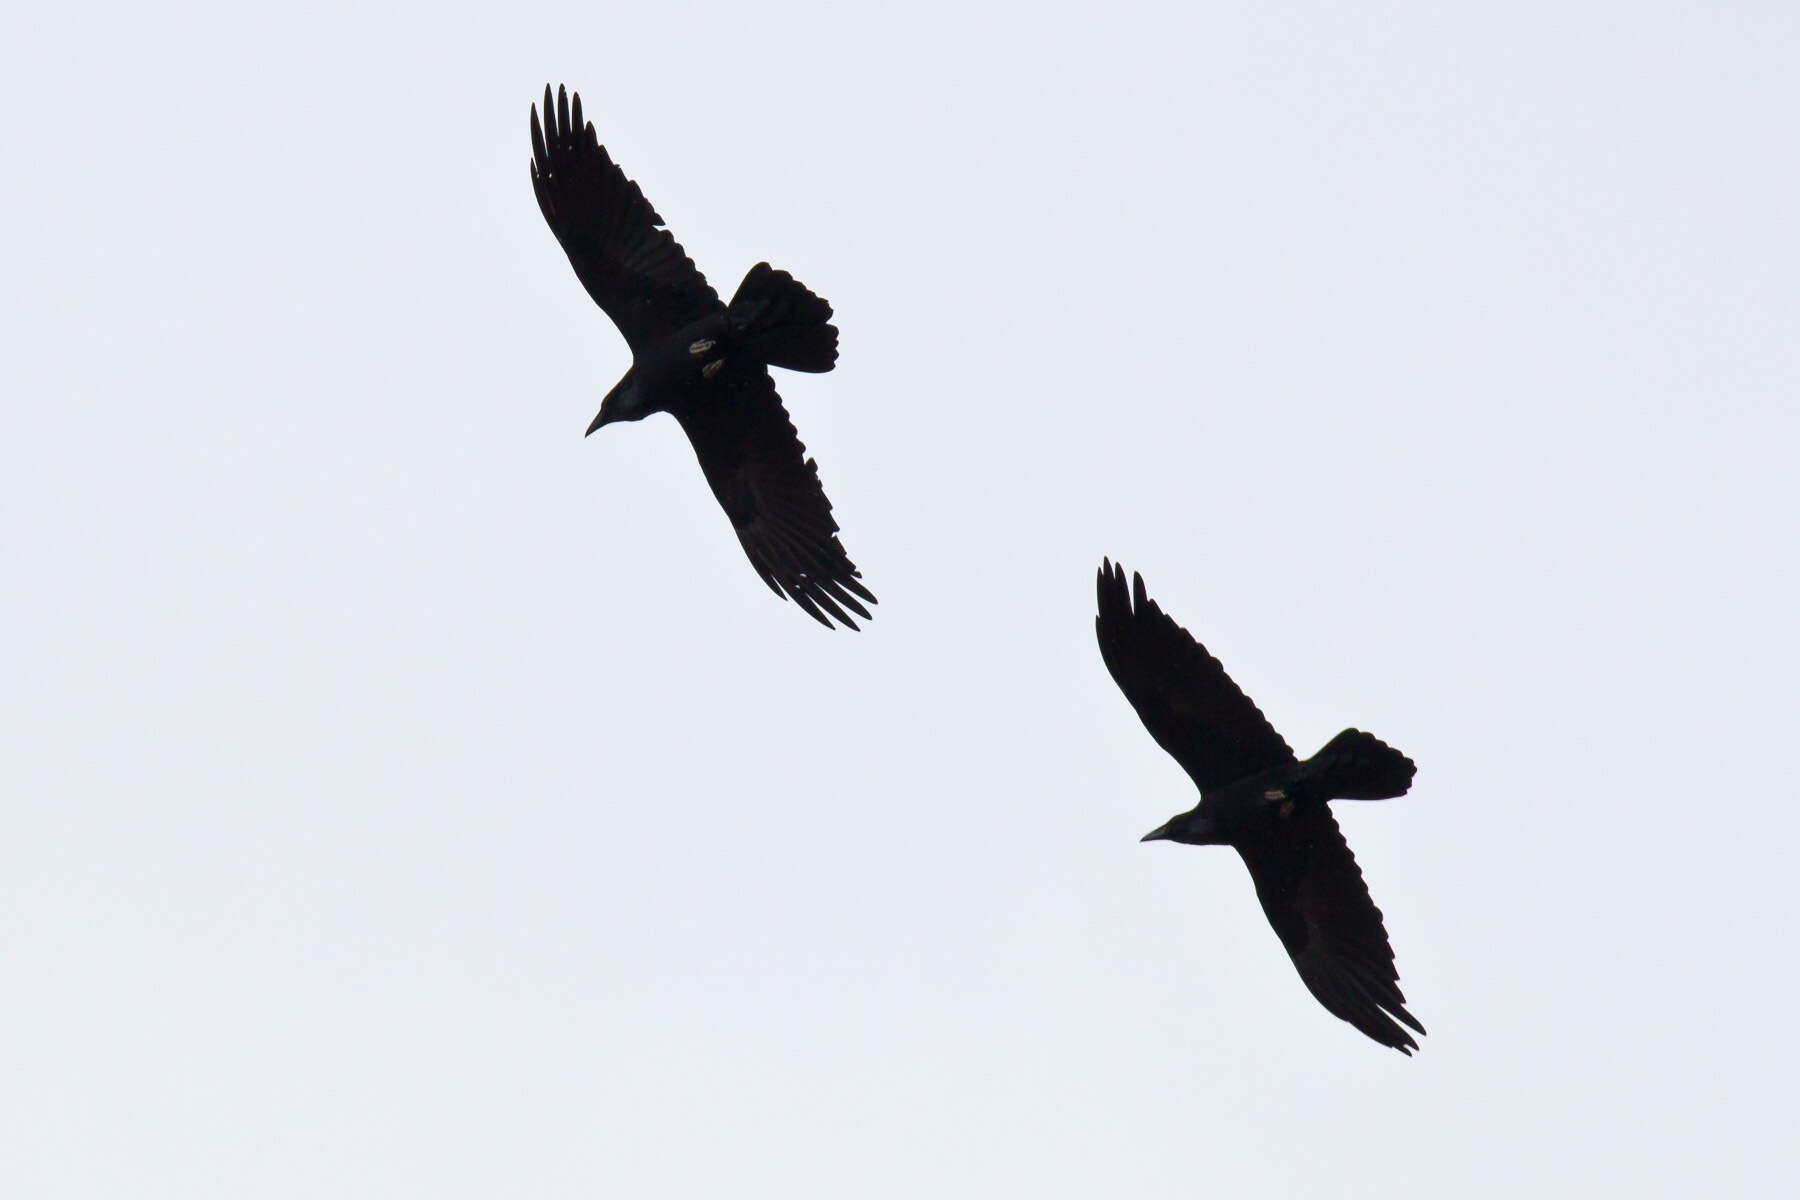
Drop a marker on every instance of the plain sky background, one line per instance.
(406, 797)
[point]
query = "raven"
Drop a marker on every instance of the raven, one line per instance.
(703, 362)
(1270, 807)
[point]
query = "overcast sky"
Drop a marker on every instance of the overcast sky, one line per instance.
(404, 796)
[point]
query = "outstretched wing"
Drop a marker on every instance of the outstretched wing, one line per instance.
(1313, 894)
(1181, 693)
(634, 270)
(759, 471)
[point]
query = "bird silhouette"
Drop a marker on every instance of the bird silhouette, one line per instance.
(1257, 798)
(703, 362)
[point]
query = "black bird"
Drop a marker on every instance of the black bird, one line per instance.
(703, 362)
(1257, 798)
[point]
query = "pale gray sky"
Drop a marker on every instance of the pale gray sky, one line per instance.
(406, 797)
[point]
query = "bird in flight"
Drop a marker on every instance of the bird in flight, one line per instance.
(703, 362)
(1257, 798)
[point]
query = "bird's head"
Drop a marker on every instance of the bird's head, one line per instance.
(621, 404)
(1189, 827)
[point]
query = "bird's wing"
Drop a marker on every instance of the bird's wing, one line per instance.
(634, 269)
(1182, 694)
(759, 471)
(1313, 894)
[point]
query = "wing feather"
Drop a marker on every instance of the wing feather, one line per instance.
(757, 467)
(1313, 893)
(635, 270)
(1181, 693)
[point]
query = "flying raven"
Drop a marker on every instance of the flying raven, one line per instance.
(703, 362)
(1270, 807)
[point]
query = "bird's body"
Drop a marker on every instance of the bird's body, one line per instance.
(1268, 805)
(1256, 806)
(1231, 814)
(671, 374)
(703, 362)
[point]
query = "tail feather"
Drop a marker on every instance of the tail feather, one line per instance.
(776, 318)
(1360, 766)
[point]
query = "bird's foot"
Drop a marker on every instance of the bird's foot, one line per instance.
(701, 347)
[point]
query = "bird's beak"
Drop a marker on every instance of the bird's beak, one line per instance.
(1160, 833)
(599, 420)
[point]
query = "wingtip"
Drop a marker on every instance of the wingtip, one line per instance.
(538, 152)
(809, 608)
(1109, 588)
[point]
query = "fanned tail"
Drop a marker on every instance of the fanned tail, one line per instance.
(1359, 766)
(777, 319)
